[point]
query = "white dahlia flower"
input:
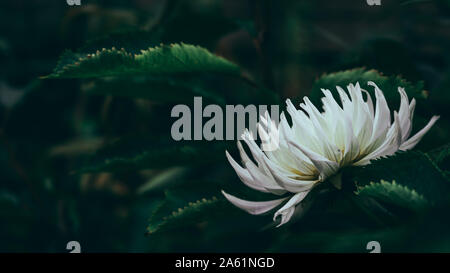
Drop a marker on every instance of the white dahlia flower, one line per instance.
(319, 144)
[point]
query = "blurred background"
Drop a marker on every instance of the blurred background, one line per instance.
(49, 128)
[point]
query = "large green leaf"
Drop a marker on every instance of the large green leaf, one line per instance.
(185, 206)
(393, 193)
(412, 169)
(162, 60)
(192, 213)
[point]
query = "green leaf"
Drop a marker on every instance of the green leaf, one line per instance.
(411, 169)
(162, 60)
(393, 193)
(387, 84)
(440, 156)
(190, 214)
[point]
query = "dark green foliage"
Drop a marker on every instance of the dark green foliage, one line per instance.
(414, 170)
(388, 84)
(193, 212)
(440, 157)
(165, 59)
(86, 152)
(382, 54)
(393, 193)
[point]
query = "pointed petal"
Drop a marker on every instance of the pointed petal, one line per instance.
(369, 103)
(321, 128)
(410, 143)
(404, 113)
(244, 175)
(412, 106)
(288, 209)
(242, 152)
(397, 138)
(351, 142)
(390, 145)
(294, 185)
(323, 165)
(263, 179)
(253, 207)
(382, 115)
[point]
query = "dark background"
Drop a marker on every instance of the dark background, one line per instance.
(49, 127)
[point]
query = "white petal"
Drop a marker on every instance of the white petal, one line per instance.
(303, 130)
(244, 175)
(323, 165)
(303, 163)
(260, 174)
(382, 114)
(345, 100)
(391, 143)
(330, 150)
(288, 209)
(352, 148)
(264, 179)
(242, 152)
(410, 143)
(369, 103)
(412, 106)
(404, 114)
(290, 184)
(253, 207)
(362, 120)
(397, 139)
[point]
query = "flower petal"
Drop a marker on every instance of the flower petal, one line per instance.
(382, 114)
(410, 143)
(390, 145)
(253, 207)
(369, 103)
(264, 179)
(244, 175)
(404, 114)
(408, 129)
(288, 209)
(324, 165)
